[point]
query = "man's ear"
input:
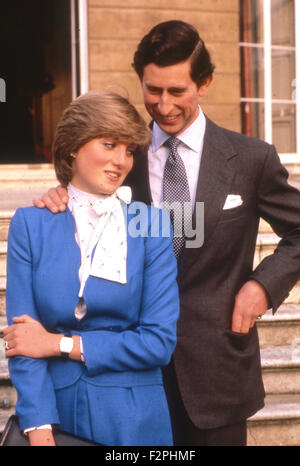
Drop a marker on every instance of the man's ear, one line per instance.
(204, 86)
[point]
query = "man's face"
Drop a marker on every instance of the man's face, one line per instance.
(171, 96)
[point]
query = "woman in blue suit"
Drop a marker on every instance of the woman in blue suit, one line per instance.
(92, 299)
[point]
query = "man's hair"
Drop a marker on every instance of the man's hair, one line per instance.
(96, 114)
(172, 42)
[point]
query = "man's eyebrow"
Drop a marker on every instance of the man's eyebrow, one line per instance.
(152, 86)
(170, 89)
(177, 89)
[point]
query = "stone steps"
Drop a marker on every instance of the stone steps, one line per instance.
(2, 296)
(282, 329)
(281, 369)
(278, 424)
(27, 176)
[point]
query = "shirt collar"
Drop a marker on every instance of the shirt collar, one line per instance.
(192, 137)
(123, 193)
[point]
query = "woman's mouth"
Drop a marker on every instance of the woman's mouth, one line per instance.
(113, 176)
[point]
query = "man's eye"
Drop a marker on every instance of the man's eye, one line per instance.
(154, 91)
(177, 92)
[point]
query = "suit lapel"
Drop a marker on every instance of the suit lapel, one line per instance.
(214, 182)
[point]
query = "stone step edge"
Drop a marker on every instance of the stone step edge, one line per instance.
(280, 357)
(6, 214)
(20, 170)
(287, 312)
(278, 408)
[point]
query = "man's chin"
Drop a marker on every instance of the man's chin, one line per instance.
(169, 128)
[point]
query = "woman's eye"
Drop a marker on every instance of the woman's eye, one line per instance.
(109, 145)
(131, 150)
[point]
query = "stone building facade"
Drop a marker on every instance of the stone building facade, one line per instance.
(114, 31)
(71, 46)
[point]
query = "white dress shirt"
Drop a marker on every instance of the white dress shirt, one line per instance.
(190, 150)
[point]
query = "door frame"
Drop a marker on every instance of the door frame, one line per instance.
(79, 41)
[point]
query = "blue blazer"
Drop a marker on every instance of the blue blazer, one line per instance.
(128, 333)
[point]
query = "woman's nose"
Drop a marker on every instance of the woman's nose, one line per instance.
(120, 154)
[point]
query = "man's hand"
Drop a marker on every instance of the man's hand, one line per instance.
(251, 302)
(55, 200)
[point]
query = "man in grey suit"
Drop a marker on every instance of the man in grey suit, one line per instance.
(214, 381)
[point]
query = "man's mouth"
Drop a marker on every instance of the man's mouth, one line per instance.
(169, 117)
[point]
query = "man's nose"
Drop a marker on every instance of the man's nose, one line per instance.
(165, 104)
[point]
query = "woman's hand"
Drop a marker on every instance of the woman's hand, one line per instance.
(41, 438)
(27, 337)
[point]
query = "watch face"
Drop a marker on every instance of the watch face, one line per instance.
(66, 345)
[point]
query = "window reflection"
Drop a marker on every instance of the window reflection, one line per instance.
(252, 62)
(283, 22)
(284, 127)
(253, 119)
(251, 27)
(283, 74)
(277, 49)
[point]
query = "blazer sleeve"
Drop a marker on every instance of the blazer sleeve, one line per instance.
(152, 342)
(36, 403)
(279, 205)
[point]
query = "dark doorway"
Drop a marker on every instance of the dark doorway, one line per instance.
(35, 63)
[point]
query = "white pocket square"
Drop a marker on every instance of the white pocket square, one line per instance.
(232, 201)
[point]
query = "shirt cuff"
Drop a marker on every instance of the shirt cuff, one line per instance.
(81, 351)
(30, 429)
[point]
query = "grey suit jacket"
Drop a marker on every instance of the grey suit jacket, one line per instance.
(218, 371)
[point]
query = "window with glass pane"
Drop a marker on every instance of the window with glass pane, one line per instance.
(268, 71)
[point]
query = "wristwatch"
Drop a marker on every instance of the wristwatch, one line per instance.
(66, 346)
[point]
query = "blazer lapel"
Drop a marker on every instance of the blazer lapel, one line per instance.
(214, 182)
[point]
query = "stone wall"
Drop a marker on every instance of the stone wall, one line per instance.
(115, 30)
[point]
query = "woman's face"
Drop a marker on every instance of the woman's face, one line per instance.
(101, 165)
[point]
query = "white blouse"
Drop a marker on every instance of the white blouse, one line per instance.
(101, 236)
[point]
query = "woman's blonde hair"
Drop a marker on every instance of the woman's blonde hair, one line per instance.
(96, 114)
